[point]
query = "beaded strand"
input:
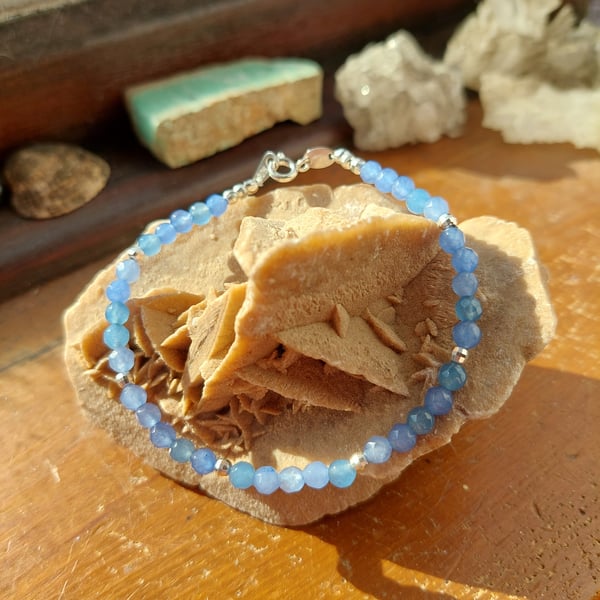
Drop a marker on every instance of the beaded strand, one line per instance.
(402, 437)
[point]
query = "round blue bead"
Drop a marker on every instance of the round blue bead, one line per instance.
(291, 480)
(241, 475)
(203, 461)
(118, 291)
(452, 239)
(133, 396)
(149, 244)
(341, 473)
(438, 400)
(266, 480)
(128, 270)
(377, 449)
(370, 171)
(162, 435)
(166, 233)
(402, 437)
(201, 214)
(468, 308)
(452, 376)
(465, 284)
(181, 450)
(181, 220)
(435, 208)
(117, 313)
(466, 334)
(416, 200)
(402, 187)
(148, 415)
(465, 260)
(121, 360)
(385, 180)
(420, 420)
(115, 336)
(217, 204)
(316, 475)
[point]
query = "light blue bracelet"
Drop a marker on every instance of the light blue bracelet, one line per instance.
(402, 437)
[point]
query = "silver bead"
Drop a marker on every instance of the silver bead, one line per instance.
(343, 157)
(446, 221)
(222, 466)
(122, 379)
(356, 164)
(133, 252)
(359, 461)
(459, 355)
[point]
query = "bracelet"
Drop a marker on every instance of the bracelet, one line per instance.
(402, 437)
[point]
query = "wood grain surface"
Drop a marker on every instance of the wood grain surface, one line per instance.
(510, 509)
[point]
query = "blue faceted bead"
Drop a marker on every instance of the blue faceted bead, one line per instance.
(266, 480)
(241, 475)
(201, 214)
(465, 260)
(181, 220)
(117, 313)
(452, 239)
(465, 284)
(115, 336)
(316, 475)
(341, 473)
(402, 437)
(466, 334)
(217, 204)
(377, 449)
(121, 360)
(148, 415)
(149, 244)
(291, 480)
(416, 201)
(468, 308)
(118, 291)
(166, 233)
(181, 450)
(385, 180)
(203, 461)
(133, 396)
(438, 400)
(128, 270)
(402, 187)
(452, 376)
(420, 420)
(162, 435)
(435, 208)
(370, 171)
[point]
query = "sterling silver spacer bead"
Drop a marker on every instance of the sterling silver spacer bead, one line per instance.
(121, 379)
(446, 221)
(222, 466)
(133, 253)
(459, 355)
(359, 461)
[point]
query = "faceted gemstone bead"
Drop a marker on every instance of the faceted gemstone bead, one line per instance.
(203, 461)
(452, 376)
(241, 475)
(466, 334)
(420, 420)
(370, 171)
(468, 308)
(452, 239)
(438, 400)
(217, 204)
(117, 313)
(416, 200)
(385, 180)
(115, 336)
(181, 450)
(181, 220)
(291, 480)
(133, 396)
(121, 360)
(341, 473)
(402, 187)
(166, 233)
(465, 260)
(118, 291)
(201, 214)
(266, 480)
(148, 415)
(128, 270)
(435, 208)
(465, 284)
(162, 435)
(149, 244)
(316, 475)
(402, 437)
(378, 449)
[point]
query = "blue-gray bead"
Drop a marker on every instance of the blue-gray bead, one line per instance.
(452, 376)
(148, 415)
(468, 308)
(128, 270)
(434, 208)
(370, 171)
(465, 260)
(291, 480)
(217, 204)
(385, 180)
(266, 480)
(466, 334)
(115, 336)
(438, 400)
(316, 475)
(416, 200)
(420, 420)
(162, 435)
(117, 313)
(451, 239)
(402, 437)
(121, 360)
(149, 244)
(203, 461)
(201, 214)
(118, 291)
(341, 473)
(465, 284)
(133, 396)
(241, 475)
(181, 450)
(181, 220)
(402, 187)
(377, 449)
(166, 233)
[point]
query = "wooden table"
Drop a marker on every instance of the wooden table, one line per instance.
(511, 505)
